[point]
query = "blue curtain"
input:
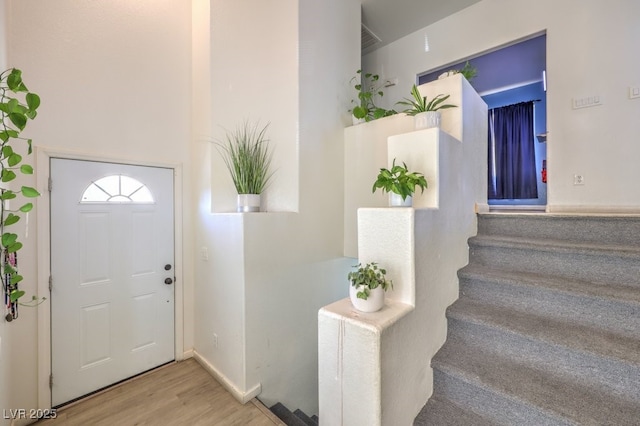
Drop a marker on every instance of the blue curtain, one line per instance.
(512, 162)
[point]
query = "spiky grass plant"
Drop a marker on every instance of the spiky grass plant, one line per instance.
(247, 155)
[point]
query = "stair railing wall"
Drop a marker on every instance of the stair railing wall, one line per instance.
(374, 369)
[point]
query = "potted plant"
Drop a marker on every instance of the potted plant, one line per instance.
(369, 88)
(368, 284)
(426, 114)
(400, 184)
(247, 155)
(468, 71)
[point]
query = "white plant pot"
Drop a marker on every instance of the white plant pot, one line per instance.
(396, 200)
(357, 120)
(373, 303)
(248, 203)
(427, 120)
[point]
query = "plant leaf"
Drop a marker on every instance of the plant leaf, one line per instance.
(7, 175)
(14, 159)
(33, 101)
(26, 169)
(15, 295)
(27, 191)
(26, 208)
(11, 219)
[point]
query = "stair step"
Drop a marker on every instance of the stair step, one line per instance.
(547, 327)
(577, 337)
(597, 229)
(588, 362)
(443, 412)
(586, 262)
(309, 421)
(284, 414)
(612, 307)
(509, 390)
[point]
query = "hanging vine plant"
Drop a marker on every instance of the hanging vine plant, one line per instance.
(17, 106)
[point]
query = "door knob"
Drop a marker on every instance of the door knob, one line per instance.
(168, 281)
(167, 267)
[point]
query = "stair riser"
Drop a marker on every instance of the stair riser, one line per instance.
(586, 229)
(613, 315)
(492, 405)
(601, 374)
(596, 267)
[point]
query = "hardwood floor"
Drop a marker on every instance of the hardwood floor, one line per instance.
(177, 394)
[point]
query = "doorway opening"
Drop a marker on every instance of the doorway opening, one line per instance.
(508, 76)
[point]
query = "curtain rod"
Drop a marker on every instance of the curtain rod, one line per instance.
(523, 102)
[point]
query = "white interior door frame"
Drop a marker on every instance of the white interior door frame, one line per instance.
(43, 156)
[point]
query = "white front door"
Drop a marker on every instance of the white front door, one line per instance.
(112, 269)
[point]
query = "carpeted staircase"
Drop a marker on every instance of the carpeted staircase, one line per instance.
(293, 418)
(547, 327)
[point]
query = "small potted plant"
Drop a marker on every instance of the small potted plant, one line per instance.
(426, 114)
(369, 89)
(368, 284)
(247, 155)
(400, 184)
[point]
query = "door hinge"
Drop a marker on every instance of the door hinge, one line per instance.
(50, 381)
(50, 184)
(50, 283)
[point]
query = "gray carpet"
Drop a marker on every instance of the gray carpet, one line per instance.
(547, 327)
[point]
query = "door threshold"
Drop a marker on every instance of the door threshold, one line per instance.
(516, 208)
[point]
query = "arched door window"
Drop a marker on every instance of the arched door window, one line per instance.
(117, 189)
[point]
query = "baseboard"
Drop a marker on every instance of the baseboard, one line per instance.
(187, 354)
(242, 397)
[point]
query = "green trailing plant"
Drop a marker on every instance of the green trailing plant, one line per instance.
(17, 106)
(369, 88)
(369, 277)
(247, 155)
(419, 103)
(399, 180)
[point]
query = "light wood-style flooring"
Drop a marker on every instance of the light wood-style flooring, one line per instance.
(178, 394)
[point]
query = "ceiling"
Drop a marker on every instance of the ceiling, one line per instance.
(391, 20)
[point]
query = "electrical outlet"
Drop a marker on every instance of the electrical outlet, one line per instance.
(634, 92)
(578, 180)
(215, 340)
(204, 253)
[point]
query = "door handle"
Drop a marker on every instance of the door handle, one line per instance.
(168, 281)
(167, 267)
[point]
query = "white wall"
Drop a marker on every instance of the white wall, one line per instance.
(114, 82)
(269, 273)
(588, 45)
(5, 369)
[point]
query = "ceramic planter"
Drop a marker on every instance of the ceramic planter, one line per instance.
(396, 200)
(427, 120)
(374, 302)
(248, 203)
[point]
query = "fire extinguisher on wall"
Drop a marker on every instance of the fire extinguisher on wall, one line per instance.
(544, 171)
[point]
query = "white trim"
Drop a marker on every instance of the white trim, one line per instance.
(242, 397)
(590, 209)
(42, 171)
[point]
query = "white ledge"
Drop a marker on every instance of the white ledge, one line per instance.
(373, 321)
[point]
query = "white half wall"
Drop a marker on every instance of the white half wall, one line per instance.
(588, 45)
(267, 274)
